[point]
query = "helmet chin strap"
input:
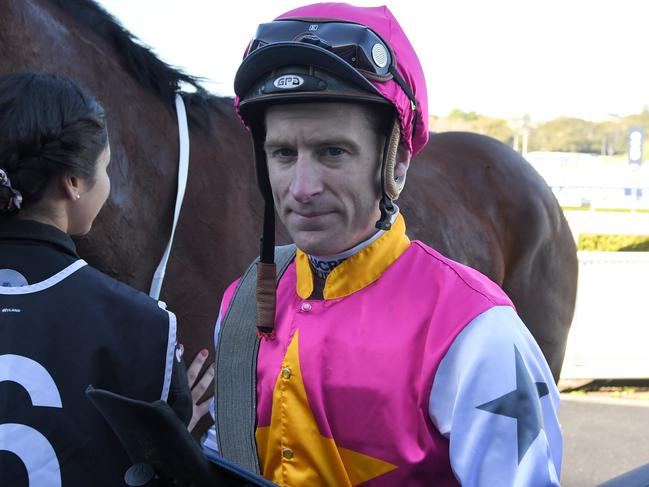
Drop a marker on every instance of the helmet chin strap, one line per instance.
(390, 185)
(266, 270)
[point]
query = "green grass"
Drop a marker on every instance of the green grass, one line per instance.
(578, 392)
(575, 208)
(613, 243)
(618, 210)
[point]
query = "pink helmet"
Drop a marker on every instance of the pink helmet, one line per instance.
(364, 47)
(336, 52)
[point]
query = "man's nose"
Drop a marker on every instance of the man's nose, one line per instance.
(307, 179)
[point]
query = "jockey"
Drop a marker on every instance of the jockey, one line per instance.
(65, 325)
(384, 363)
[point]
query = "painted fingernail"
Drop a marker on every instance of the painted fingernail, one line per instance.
(204, 352)
(182, 348)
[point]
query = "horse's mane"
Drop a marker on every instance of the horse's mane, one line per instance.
(136, 58)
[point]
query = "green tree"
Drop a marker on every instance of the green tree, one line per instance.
(565, 134)
(458, 120)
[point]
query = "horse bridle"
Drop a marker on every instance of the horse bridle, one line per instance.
(183, 171)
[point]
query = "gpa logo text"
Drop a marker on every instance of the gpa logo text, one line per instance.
(288, 82)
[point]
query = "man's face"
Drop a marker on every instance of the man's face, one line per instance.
(324, 167)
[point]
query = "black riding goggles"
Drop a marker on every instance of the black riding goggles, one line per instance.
(354, 43)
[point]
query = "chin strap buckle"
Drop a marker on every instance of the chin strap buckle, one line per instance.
(387, 210)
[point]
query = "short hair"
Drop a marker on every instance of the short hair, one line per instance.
(381, 118)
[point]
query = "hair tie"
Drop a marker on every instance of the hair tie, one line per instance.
(16, 198)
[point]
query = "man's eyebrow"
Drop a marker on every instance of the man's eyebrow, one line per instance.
(273, 143)
(318, 141)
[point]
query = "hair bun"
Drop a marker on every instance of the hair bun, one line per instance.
(49, 126)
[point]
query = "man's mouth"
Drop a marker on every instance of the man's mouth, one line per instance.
(309, 217)
(311, 214)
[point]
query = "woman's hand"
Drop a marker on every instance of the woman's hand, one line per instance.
(199, 386)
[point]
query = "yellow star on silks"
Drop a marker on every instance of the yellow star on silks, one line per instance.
(292, 451)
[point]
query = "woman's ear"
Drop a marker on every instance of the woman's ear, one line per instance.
(71, 186)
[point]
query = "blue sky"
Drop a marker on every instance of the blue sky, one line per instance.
(503, 58)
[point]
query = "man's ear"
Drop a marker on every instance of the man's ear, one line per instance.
(401, 165)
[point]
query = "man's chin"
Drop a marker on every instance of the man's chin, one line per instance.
(315, 242)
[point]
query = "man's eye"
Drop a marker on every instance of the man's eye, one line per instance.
(334, 151)
(283, 152)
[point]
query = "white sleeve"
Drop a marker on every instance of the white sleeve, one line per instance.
(494, 398)
(210, 446)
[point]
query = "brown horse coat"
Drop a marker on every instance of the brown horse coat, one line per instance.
(469, 196)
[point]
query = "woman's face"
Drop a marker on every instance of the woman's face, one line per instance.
(92, 196)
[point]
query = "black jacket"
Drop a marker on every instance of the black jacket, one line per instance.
(64, 326)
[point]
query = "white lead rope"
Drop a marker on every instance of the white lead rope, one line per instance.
(183, 170)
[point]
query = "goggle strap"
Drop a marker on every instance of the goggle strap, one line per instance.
(404, 86)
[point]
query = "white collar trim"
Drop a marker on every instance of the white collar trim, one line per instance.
(47, 283)
(365, 243)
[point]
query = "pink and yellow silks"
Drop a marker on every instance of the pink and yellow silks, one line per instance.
(343, 390)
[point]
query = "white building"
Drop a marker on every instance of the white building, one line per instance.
(590, 180)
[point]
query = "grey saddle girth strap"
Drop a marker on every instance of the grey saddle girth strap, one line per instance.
(235, 386)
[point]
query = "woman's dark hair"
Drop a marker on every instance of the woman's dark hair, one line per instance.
(49, 126)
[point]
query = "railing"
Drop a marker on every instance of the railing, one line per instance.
(609, 337)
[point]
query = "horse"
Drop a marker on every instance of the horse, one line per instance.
(469, 196)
